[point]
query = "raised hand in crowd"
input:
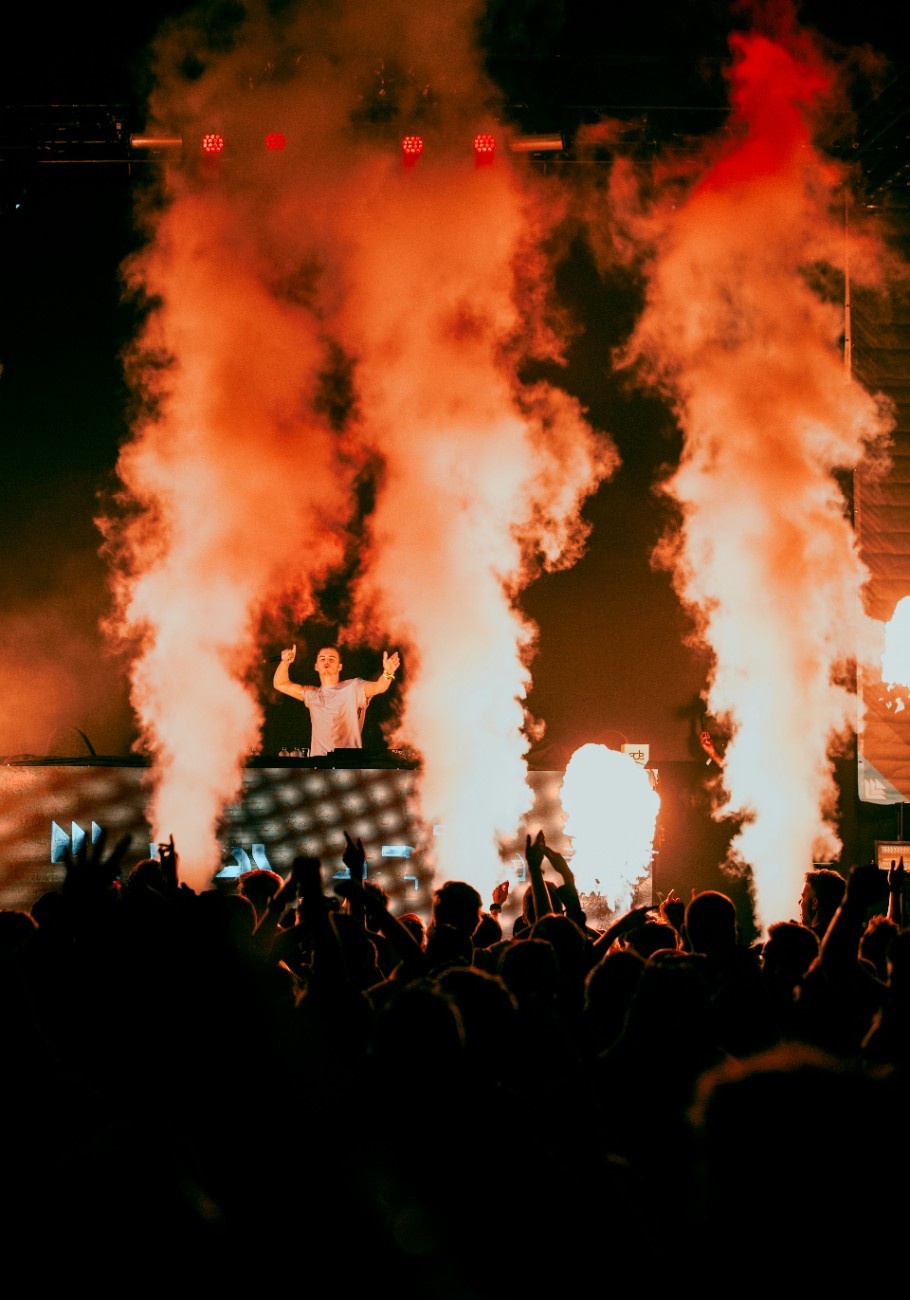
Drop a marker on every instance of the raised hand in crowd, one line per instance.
(567, 890)
(500, 895)
(170, 862)
(371, 904)
(499, 899)
(865, 892)
(354, 858)
(91, 873)
(542, 900)
(266, 935)
(314, 913)
(351, 890)
(673, 909)
(707, 744)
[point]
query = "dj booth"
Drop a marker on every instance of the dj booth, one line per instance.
(288, 806)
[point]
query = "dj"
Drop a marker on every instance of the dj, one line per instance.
(336, 706)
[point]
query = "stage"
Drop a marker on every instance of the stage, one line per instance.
(292, 805)
(288, 806)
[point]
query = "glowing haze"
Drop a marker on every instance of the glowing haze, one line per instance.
(742, 328)
(318, 314)
(611, 809)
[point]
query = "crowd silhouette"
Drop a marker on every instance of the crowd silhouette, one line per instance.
(289, 1083)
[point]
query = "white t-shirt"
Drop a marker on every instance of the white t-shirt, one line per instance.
(336, 715)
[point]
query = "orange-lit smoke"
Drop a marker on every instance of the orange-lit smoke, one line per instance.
(742, 329)
(263, 270)
(227, 511)
(476, 484)
(50, 702)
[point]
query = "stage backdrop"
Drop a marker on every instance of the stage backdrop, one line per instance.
(291, 806)
(286, 808)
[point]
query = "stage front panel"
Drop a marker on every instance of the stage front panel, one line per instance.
(283, 811)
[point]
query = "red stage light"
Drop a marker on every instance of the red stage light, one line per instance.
(213, 143)
(484, 145)
(411, 148)
(275, 140)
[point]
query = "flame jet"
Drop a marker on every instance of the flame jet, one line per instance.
(611, 809)
(309, 311)
(742, 330)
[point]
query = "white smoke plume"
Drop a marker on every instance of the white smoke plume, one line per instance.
(742, 249)
(311, 311)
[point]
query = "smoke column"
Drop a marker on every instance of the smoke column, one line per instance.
(742, 330)
(480, 482)
(313, 314)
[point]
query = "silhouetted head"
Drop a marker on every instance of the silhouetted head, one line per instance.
(530, 969)
(788, 952)
(653, 935)
(415, 924)
(458, 904)
(710, 924)
(823, 892)
(487, 1009)
(610, 984)
(147, 873)
(259, 886)
(488, 931)
(448, 946)
(875, 943)
(528, 916)
(573, 953)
